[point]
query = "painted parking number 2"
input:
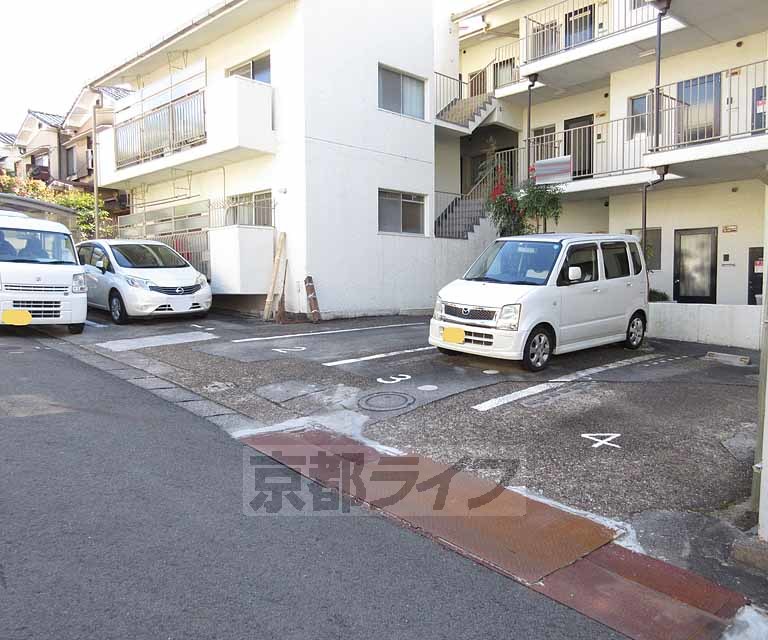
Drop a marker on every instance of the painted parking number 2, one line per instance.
(394, 379)
(290, 350)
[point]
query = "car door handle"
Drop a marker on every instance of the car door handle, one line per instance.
(596, 289)
(629, 284)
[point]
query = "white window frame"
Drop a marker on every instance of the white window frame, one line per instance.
(635, 118)
(402, 74)
(404, 196)
(267, 54)
(650, 261)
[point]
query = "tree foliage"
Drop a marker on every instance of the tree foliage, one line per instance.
(79, 201)
(523, 210)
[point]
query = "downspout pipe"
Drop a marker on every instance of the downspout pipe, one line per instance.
(532, 80)
(662, 173)
(663, 7)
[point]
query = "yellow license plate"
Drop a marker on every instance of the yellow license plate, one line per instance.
(453, 335)
(17, 317)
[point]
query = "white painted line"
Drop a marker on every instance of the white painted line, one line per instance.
(325, 333)
(378, 356)
(558, 382)
(156, 341)
(96, 325)
(517, 395)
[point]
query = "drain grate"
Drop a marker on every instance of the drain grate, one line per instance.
(386, 401)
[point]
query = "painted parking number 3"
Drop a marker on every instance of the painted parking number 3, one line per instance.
(290, 350)
(394, 379)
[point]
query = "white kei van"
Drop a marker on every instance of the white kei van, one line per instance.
(529, 297)
(41, 279)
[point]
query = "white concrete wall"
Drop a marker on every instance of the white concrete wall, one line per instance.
(716, 324)
(715, 205)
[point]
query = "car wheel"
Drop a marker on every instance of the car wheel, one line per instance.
(117, 308)
(538, 349)
(635, 332)
(76, 329)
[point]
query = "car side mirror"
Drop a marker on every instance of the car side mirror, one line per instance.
(574, 274)
(100, 266)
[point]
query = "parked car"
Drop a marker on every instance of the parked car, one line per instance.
(140, 278)
(41, 281)
(530, 297)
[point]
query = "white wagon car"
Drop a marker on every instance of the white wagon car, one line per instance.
(140, 278)
(530, 297)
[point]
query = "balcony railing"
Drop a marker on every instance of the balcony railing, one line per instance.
(165, 130)
(571, 23)
(192, 246)
(727, 104)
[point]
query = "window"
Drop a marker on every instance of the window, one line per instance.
(71, 162)
(401, 93)
(543, 143)
(250, 209)
(147, 256)
(653, 247)
(698, 119)
(638, 115)
(637, 264)
(401, 212)
(36, 247)
(257, 69)
(99, 255)
(84, 254)
(583, 256)
(616, 260)
(515, 262)
(639, 4)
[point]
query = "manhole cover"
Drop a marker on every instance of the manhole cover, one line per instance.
(386, 401)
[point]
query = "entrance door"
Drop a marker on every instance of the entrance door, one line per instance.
(580, 26)
(696, 266)
(579, 138)
(755, 284)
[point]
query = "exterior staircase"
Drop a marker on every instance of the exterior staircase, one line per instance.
(468, 112)
(460, 214)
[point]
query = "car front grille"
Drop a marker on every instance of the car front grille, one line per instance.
(177, 291)
(37, 288)
(472, 313)
(39, 309)
(482, 339)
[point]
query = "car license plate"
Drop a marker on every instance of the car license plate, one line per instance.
(453, 335)
(17, 317)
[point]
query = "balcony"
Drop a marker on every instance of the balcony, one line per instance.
(227, 121)
(230, 240)
(715, 126)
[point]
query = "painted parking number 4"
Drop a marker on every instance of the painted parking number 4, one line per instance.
(602, 439)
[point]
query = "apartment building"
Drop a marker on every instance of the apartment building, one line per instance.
(589, 66)
(271, 116)
(8, 153)
(363, 139)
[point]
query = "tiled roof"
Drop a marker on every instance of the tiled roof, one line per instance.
(7, 138)
(116, 93)
(48, 118)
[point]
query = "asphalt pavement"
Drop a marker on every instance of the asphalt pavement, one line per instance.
(121, 517)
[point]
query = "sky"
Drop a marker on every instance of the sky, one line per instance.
(56, 47)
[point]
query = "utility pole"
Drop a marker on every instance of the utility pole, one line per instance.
(532, 80)
(760, 479)
(95, 145)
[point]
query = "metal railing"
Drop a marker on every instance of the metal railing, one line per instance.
(165, 130)
(457, 214)
(251, 209)
(459, 102)
(713, 107)
(192, 246)
(571, 23)
(506, 65)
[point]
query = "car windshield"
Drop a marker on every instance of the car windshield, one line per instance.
(36, 247)
(147, 256)
(515, 262)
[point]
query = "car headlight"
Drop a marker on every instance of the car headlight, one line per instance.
(78, 283)
(509, 318)
(201, 280)
(139, 283)
(438, 309)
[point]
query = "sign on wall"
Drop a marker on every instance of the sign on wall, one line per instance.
(554, 170)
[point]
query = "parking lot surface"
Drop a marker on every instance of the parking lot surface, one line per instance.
(645, 437)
